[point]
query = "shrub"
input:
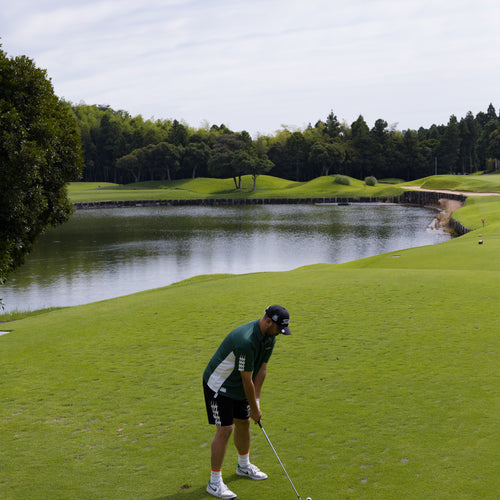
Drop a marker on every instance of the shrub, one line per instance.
(342, 179)
(370, 181)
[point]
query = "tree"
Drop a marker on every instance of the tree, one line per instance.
(297, 153)
(40, 152)
(178, 134)
(332, 126)
(483, 142)
(167, 157)
(449, 147)
(493, 150)
(380, 139)
(227, 158)
(413, 159)
(111, 144)
(196, 157)
(491, 114)
(361, 147)
(132, 163)
(469, 133)
(260, 164)
(326, 155)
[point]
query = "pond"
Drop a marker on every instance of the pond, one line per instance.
(105, 253)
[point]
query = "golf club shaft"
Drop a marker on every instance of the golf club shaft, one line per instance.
(282, 466)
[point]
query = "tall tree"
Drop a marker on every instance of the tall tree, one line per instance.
(178, 134)
(332, 126)
(491, 113)
(380, 140)
(361, 147)
(483, 142)
(412, 160)
(110, 144)
(40, 152)
(493, 151)
(469, 134)
(297, 153)
(449, 147)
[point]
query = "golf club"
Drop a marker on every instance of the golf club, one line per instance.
(282, 466)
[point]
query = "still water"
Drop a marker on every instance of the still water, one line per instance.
(100, 254)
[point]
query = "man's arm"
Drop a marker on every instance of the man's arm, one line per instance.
(259, 380)
(250, 393)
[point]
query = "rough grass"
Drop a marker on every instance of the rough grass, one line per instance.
(387, 389)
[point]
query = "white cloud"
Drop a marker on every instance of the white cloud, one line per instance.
(256, 65)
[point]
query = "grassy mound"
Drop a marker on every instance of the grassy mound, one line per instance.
(473, 183)
(267, 187)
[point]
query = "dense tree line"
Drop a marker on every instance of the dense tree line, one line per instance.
(121, 148)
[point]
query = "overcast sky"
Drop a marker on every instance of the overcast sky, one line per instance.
(257, 65)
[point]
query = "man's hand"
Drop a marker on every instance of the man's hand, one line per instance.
(255, 414)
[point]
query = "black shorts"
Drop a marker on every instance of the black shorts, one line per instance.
(221, 410)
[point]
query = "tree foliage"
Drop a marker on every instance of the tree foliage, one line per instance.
(230, 157)
(327, 148)
(39, 154)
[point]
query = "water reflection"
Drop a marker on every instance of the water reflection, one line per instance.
(105, 253)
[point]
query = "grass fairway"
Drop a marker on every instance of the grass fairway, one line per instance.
(388, 388)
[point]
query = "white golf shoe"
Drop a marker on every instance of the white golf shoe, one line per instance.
(251, 471)
(220, 490)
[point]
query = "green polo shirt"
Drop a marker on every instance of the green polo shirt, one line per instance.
(245, 349)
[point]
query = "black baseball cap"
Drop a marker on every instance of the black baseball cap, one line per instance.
(280, 316)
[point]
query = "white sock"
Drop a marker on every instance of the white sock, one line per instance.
(244, 460)
(215, 476)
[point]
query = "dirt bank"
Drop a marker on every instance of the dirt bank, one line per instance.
(447, 207)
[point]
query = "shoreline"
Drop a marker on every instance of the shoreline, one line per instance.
(444, 219)
(444, 201)
(411, 197)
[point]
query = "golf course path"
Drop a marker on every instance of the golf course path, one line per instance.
(444, 191)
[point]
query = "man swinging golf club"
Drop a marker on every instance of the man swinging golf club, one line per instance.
(232, 382)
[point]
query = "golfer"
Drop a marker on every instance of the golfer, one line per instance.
(232, 382)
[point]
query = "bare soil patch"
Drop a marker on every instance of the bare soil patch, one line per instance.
(447, 207)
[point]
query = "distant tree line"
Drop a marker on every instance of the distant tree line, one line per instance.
(123, 149)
